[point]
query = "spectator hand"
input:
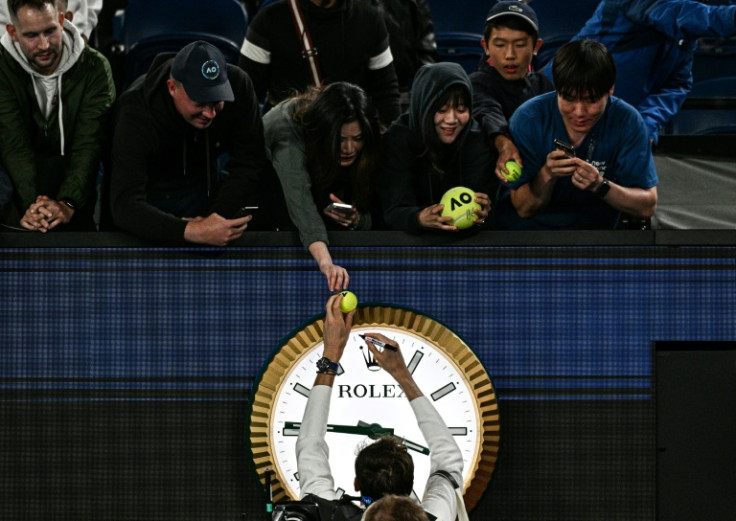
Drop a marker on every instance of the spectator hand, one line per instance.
(485, 207)
(507, 151)
(215, 230)
(586, 176)
(431, 217)
(559, 165)
(350, 220)
(46, 214)
(337, 276)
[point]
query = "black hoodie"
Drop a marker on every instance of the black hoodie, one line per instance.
(408, 184)
(157, 155)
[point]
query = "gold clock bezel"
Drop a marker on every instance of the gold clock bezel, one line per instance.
(409, 321)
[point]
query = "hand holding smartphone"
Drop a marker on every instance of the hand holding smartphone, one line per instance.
(244, 211)
(567, 148)
(342, 208)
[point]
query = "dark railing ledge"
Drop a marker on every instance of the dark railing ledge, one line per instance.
(396, 239)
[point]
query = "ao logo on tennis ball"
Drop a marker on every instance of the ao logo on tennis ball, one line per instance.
(459, 203)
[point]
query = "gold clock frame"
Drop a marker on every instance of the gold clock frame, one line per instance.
(410, 321)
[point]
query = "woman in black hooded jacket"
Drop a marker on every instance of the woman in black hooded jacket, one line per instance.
(432, 148)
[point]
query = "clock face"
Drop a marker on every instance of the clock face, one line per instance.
(365, 398)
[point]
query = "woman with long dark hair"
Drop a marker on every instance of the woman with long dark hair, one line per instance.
(325, 147)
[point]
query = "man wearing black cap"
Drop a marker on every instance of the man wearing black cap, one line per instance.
(505, 79)
(172, 127)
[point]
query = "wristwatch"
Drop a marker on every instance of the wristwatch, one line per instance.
(71, 203)
(327, 366)
(602, 189)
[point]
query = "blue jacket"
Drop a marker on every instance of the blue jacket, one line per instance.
(653, 43)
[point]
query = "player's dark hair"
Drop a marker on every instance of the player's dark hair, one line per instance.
(583, 68)
(510, 22)
(395, 508)
(321, 114)
(384, 467)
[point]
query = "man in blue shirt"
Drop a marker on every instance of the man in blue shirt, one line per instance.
(608, 167)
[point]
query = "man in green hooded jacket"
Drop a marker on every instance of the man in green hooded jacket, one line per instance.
(55, 98)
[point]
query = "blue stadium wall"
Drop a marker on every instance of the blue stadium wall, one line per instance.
(126, 371)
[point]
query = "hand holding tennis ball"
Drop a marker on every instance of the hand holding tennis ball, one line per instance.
(349, 301)
(514, 171)
(459, 203)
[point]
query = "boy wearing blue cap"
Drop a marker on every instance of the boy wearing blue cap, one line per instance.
(505, 79)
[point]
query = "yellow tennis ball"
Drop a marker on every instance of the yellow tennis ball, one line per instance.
(459, 203)
(513, 169)
(349, 301)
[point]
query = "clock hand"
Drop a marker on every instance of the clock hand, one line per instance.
(370, 430)
(409, 444)
(415, 446)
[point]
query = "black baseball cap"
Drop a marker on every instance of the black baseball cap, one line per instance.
(513, 8)
(201, 68)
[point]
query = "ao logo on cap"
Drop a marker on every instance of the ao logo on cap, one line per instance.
(210, 70)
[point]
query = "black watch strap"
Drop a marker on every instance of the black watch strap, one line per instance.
(327, 366)
(71, 203)
(602, 189)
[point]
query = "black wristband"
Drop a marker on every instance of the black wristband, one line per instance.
(602, 189)
(71, 203)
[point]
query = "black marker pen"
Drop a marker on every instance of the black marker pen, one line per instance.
(378, 343)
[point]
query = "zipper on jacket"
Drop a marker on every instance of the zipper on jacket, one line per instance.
(207, 157)
(184, 154)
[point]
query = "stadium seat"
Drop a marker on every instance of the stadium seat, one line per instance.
(557, 26)
(459, 15)
(714, 58)
(460, 47)
(710, 108)
(150, 27)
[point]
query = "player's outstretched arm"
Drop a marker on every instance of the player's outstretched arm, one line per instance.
(439, 497)
(312, 452)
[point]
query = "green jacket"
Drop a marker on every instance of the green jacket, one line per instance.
(31, 144)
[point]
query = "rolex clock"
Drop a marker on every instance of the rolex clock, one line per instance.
(367, 402)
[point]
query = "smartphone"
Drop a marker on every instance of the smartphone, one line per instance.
(567, 148)
(343, 208)
(245, 210)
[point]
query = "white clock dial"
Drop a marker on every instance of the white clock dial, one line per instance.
(363, 394)
(366, 399)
